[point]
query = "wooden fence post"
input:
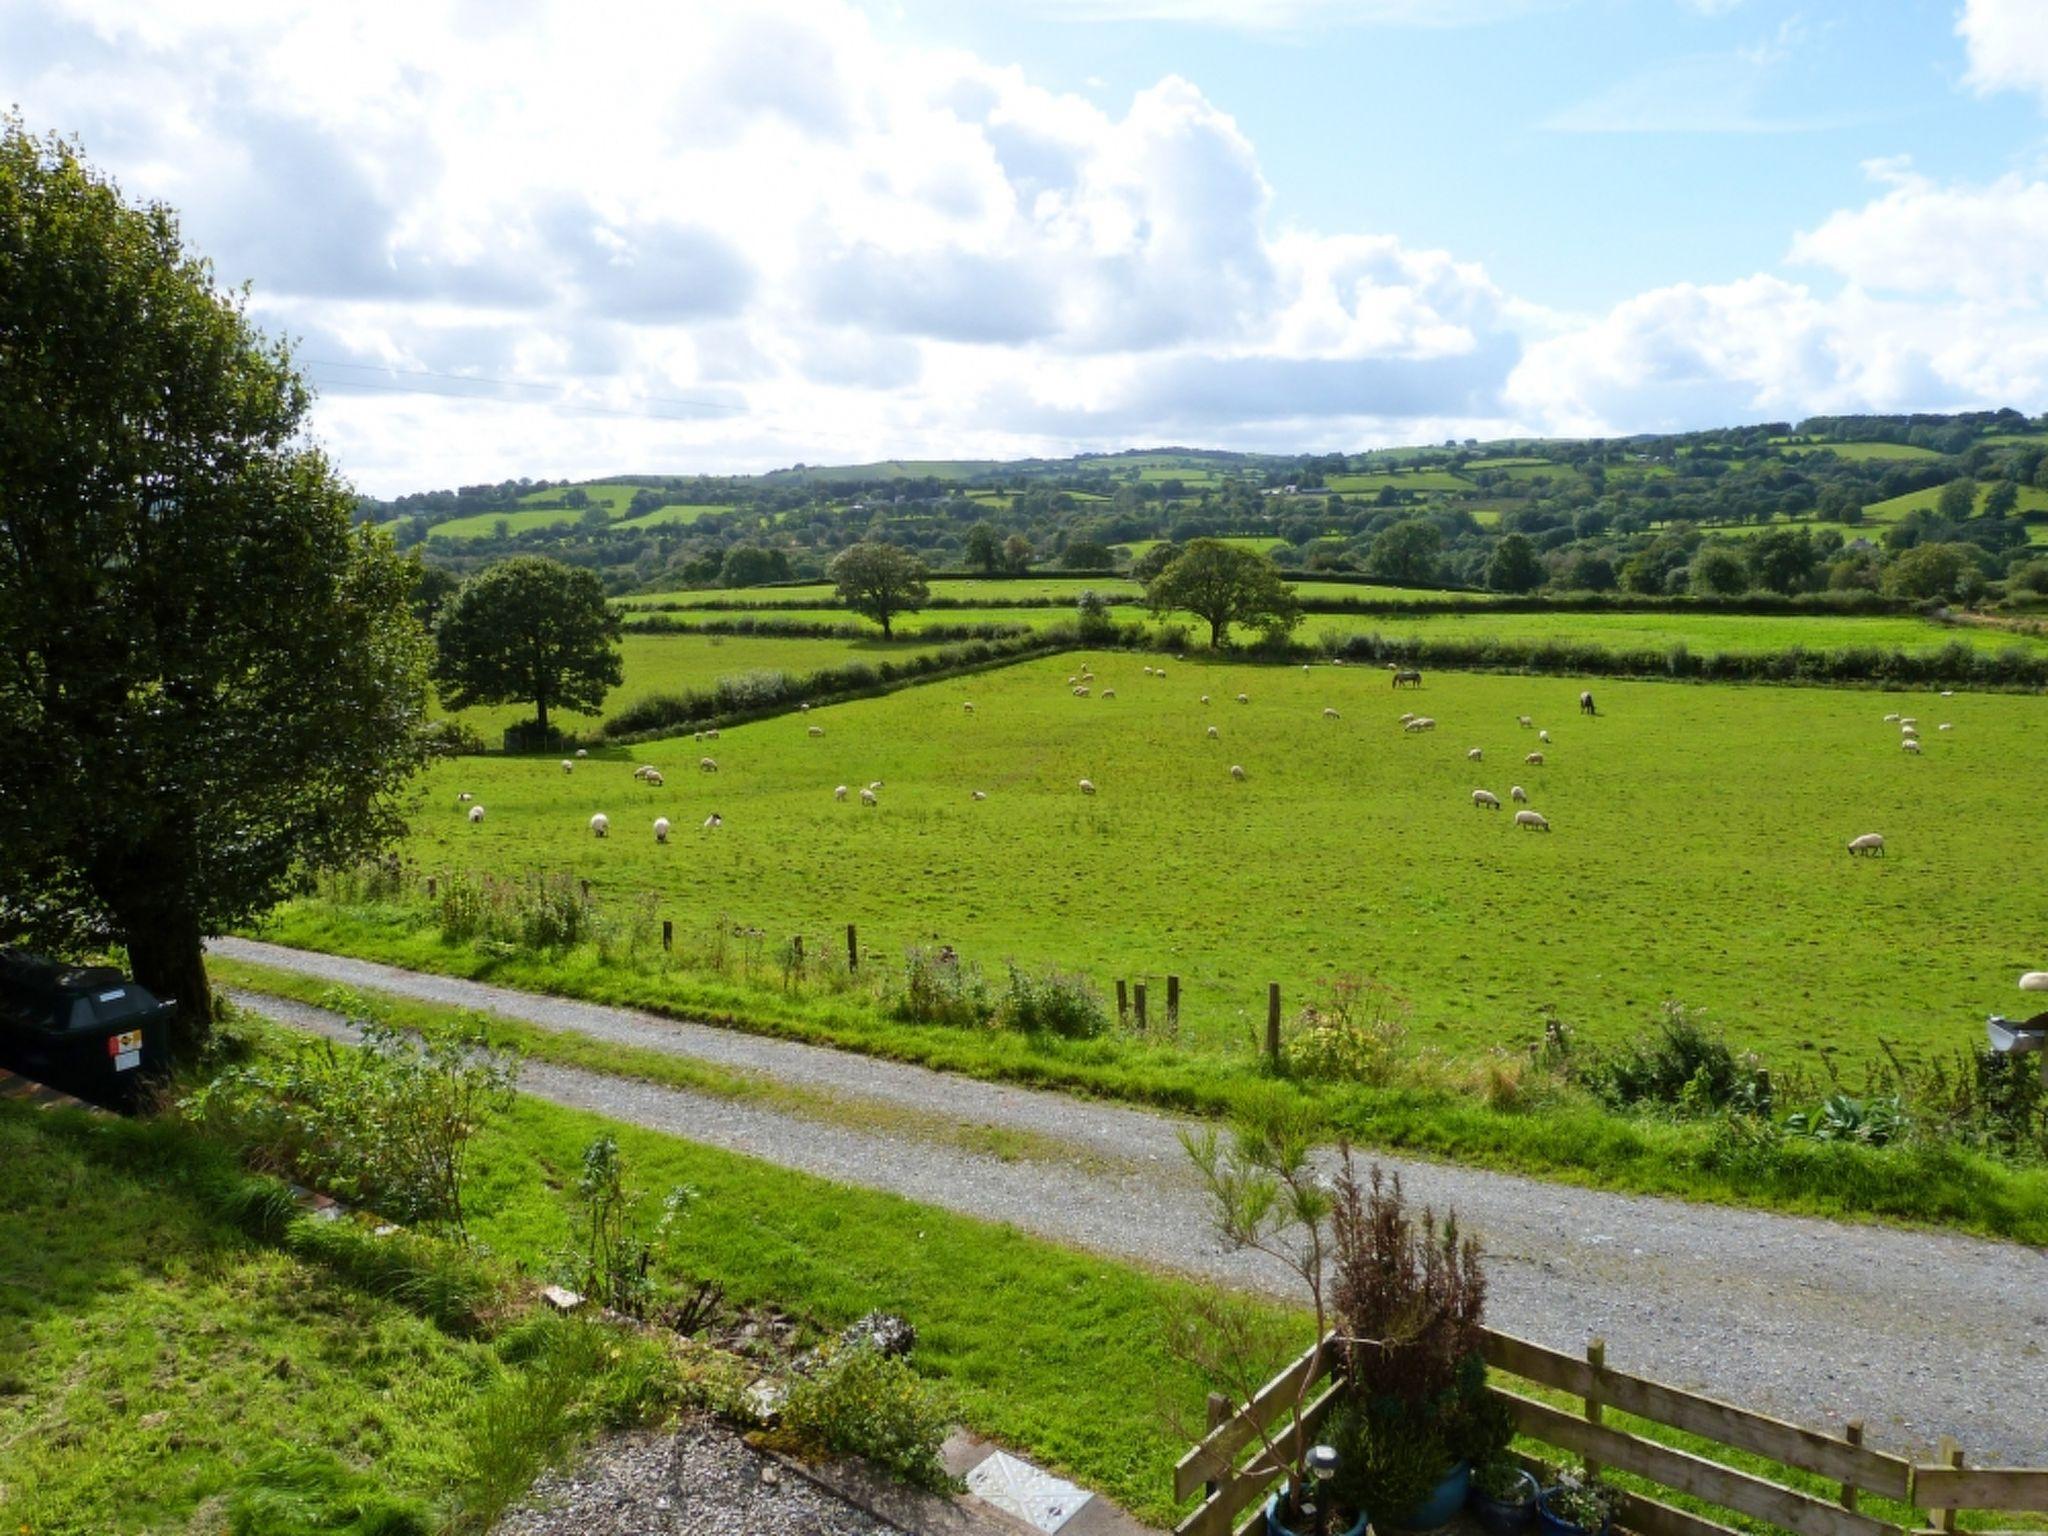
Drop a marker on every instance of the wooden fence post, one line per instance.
(1951, 1453)
(1139, 998)
(1173, 1002)
(1219, 1411)
(430, 887)
(796, 947)
(852, 948)
(1853, 1433)
(1273, 1023)
(668, 933)
(585, 884)
(1123, 1003)
(1596, 1357)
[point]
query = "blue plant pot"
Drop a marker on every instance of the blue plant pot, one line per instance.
(1501, 1516)
(1442, 1506)
(1552, 1526)
(1275, 1526)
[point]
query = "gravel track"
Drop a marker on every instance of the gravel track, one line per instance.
(1921, 1334)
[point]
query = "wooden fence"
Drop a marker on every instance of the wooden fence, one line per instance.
(1231, 1468)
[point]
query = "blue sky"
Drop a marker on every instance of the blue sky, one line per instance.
(540, 237)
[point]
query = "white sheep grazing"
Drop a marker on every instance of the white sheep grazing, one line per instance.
(1109, 693)
(867, 797)
(839, 793)
(1911, 744)
(1329, 714)
(1072, 680)
(1213, 735)
(876, 784)
(464, 798)
(707, 764)
(1948, 693)
(600, 824)
(654, 781)
(1304, 669)
(803, 709)
(476, 815)
(1524, 722)
(661, 829)
(1869, 845)
(980, 794)
(1237, 770)
(1533, 820)
(1534, 759)
(1087, 786)
(1892, 718)
(1243, 699)
(968, 707)
(567, 766)
(1080, 693)
(582, 752)
(1544, 737)
(1944, 726)
(1519, 795)
(1475, 756)
(1205, 698)
(1486, 800)
(1407, 715)
(1906, 720)
(643, 770)
(713, 822)
(816, 730)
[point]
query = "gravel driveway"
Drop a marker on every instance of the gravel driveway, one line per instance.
(1920, 1334)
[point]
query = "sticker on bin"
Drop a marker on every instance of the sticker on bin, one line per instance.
(126, 1050)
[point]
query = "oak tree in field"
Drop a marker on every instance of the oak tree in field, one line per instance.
(1514, 566)
(984, 548)
(1407, 551)
(1225, 585)
(1016, 554)
(211, 681)
(880, 581)
(529, 631)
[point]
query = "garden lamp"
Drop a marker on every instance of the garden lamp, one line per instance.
(1322, 1466)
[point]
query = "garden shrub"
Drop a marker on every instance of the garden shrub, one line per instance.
(861, 1402)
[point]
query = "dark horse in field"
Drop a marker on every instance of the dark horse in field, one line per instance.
(1586, 703)
(1407, 675)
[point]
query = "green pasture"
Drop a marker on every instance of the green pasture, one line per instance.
(1403, 480)
(676, 516)
(2031, 499)
(1861, 452)
(484, 525)
(1698, 851)
(1704, 633)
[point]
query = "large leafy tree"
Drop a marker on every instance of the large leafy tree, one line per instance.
(1407, 551)
(1514, 566)
(1225, 585)
(529, 631)
(880, 581)
(984, 548)
(211, 682)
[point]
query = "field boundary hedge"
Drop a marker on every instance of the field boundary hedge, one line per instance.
(823, 629)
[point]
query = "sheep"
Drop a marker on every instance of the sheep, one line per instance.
(582, 752)
(1869, 845)
(661, 829)
(476, 815)
(1237, 770)
(969, 707)
(1304, 669)
(1243, 699)
(1409, 675)
(1948, 693)
(567, 766)
(1586, 702)
(654, 781)
(1519, 795)
(1944, 726)
(1906, 720)
(713, 822)
(643, 770)
(980, 794)
(1892, 718)
(1213, 734)
(1329, 714)
(600, 824)
(1476, 755)
(803, 709)
(875, 784)
(1087, 787)
(839, 793)
(1525, 722)
(1072, 680)
(1485, 800)
(1533, 820)
(711, 735)
(868, 797)
(1911, 744)
(1420, 723)
(707, 765)
(1109, 693)
(1205, 699)
(1534, 759)
(1544, 737)
(1407, 715)
(815, 731)
(1080, 693)
(464, 798)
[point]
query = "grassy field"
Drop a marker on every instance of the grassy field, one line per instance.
(484, 525)
(1402, 480)
(1704, 633)
(820, 595)
(1862, 452)
(1352, 847)
(670, 663)
(2032, 499)
(663, 517)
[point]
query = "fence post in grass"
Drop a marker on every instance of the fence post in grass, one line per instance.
(668, 933)
(1951, 1453)
(1273, 1024)
(585, 884)
(1139, 999)
(852, 948)
(1219, 1412)
(1596, 1357)
(430, 887)
(796, 947)
(1853, 1433)
(1173, 1002)
(1123, 1003)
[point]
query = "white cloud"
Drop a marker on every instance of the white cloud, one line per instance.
(1981, 244)
(2007, 44)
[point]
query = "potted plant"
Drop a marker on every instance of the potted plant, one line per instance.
(1409, 1298)
(1503, 1496)
(1265, 1195)
(1576, 1505)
